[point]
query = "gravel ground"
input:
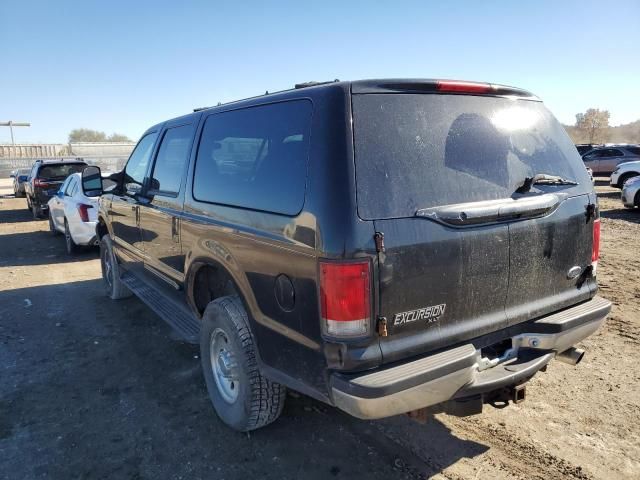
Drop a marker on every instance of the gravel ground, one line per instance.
(91, 388)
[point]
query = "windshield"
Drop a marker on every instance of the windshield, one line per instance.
(60, 171)
(417, 151)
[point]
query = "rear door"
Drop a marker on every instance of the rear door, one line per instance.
(438, 174)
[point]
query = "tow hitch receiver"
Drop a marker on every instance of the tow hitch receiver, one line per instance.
(501, 398)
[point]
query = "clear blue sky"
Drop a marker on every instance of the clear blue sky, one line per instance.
(124, 65)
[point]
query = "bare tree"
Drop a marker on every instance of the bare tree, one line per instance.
(594, 123)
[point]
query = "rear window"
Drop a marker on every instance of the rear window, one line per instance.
(255, 157)
(417, 151)
(60, 171)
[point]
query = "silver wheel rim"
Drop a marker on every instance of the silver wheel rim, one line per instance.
(107, 269)
(224, 366)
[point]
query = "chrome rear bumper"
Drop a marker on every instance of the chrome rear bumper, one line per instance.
(462, 371)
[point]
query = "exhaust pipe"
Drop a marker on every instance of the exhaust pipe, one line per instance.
(572, 356)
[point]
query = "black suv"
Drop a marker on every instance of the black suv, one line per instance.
(384, 246)
(45, 179)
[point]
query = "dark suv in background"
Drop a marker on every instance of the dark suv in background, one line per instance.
(383, 246)
(45, 179)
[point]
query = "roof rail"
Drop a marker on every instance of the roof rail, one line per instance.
(313, 84)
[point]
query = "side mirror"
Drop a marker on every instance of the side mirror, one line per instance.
(92, 181)
(60, 193)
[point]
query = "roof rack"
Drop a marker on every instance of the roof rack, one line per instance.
(297, 86)
(314, 84)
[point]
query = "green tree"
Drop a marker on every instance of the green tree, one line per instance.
(594, 124)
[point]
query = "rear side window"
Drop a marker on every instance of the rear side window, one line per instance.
(255, 157)
(171, 159)
(58, 172)
(634, 150)
(417, 151)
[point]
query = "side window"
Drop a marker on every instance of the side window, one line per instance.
(137, 164)
(64, 188)
(68, 191)
(612, 152)
(255, 157)
(172, 157)
(75, 187)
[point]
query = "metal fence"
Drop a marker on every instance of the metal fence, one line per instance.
(106, 163)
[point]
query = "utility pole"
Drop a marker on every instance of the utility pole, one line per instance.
(12, 124)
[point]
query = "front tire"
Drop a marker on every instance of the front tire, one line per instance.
(243, 398)
(114, 287)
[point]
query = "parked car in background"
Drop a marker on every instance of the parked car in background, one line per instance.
(45, 179)
(585, 147)
(604, 160)
(382, 245)
(631, 193)
(20, 177)
(74, 214)
(624, 172)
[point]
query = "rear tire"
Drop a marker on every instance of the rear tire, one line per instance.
(624, 178)
(243, 398)
(36, 212)
(72, 247)
(114, 287)
(52, 228)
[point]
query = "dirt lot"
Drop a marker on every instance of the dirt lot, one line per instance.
(91, 388)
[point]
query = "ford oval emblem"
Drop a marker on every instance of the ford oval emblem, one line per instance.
(574, 272)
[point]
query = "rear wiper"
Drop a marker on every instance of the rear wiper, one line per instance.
(543, 178)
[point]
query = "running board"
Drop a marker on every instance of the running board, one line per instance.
(179, 317)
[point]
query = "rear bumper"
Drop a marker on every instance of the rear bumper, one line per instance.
(461, 371)
(83, 233)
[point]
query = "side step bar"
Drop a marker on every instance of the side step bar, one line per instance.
(179, 317)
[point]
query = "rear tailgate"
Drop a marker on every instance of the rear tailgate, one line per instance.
(464, 253)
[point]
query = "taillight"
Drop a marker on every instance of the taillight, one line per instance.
(83, 211)
(345, 298)
(39, 183)
(595, 251)
(462, 87)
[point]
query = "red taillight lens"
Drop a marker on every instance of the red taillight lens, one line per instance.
(83, 211)
(595, 252)
(39, 183)
(462, 87)
(345, 298)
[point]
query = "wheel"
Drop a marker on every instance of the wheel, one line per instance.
(243, 398)
(72, 248)
(52, 227)
(624, 178)
(36, 212)
(636, 200)
(114, 287)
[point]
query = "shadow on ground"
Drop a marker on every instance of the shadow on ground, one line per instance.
(99, 389)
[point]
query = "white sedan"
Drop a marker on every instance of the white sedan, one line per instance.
(73, 213)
